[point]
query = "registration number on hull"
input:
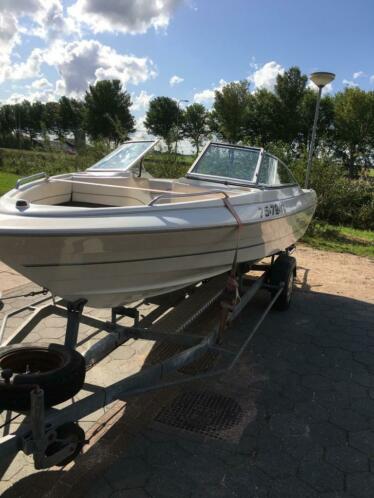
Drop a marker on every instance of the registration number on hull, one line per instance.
(269, 210)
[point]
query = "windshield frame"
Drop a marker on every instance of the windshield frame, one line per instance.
(284, 185)
(118, 149)
(225, 179)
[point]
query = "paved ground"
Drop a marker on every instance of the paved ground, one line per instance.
(300, 404)
(10, 278)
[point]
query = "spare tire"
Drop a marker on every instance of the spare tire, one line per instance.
(57, 369)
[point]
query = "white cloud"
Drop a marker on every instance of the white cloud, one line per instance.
(15, 98)
(207, 96)
(79, 64)
(266, 75)
(84, 62)
(45, 20)
(41, 83)
(30, 68)
(126, 16)
(141, 101)
(47, 95)
(358, 74)
(51, 22)
(47, 17)
(372, 79)
(9, 36)
(175, 80)
(349, 83)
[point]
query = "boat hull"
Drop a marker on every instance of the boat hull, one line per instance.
(110, 269)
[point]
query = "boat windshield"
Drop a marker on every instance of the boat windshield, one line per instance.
(125, 156)
(225, 161)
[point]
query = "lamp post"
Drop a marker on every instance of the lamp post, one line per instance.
(176, 141)
(320, 79)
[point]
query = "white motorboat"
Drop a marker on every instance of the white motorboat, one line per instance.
(111, 236)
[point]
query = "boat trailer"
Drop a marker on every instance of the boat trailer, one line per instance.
(52, 434)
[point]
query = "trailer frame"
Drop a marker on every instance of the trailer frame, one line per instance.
(42, 426)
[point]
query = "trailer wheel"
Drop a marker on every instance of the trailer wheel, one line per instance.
(69, 434)
(57, 369)
(283, 270)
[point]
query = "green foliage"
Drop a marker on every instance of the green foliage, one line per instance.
(166, 165)
(162, 119)
(195, 125)
(325, 120)
(290, 91)
(229, 116)
(24, 162)
(262, 125)
(71, 119)
(341, 201)
(354, 128)
(7, 119)
(108, 111)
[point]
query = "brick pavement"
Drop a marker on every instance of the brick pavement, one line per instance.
(307, 385)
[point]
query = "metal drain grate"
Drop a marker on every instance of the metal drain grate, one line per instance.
(206, 413)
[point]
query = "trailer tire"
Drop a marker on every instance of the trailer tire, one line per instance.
(58, 370)
(283, 270)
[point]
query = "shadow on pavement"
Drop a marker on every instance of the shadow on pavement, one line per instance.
(308, 379)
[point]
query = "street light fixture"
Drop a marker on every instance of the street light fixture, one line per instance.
(320, 79)
(176, 141)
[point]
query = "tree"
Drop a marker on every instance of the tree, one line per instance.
(22, 116)
(36, 112)
(51, 118)
(262, 127)
(354, 128)
(108, 111)
(7, 119)
(325, 119)
(71, 113)
(162, 119)
(229, 115)
(195, 124)
(290, 90)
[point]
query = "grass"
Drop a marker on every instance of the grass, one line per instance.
(340, 239)
(7, 181)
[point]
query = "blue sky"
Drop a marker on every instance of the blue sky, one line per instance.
(51, 48)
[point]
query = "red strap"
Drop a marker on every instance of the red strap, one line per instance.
(232, 210)
(234, 213)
